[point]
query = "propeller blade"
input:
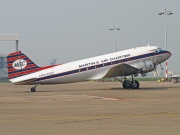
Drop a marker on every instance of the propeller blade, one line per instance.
(153, 59)
(161, 68)
(155, 65)
(155, 72)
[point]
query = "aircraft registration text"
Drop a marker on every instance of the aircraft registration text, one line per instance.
(46, 74)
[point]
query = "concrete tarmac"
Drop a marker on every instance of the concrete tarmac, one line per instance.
(90, 108)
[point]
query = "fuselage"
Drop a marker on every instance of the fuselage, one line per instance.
(95, 67)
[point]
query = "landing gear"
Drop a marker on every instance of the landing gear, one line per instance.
(33, 89)
(126, 84)
(134, 84)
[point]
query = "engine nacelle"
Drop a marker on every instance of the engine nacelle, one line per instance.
(145, 66)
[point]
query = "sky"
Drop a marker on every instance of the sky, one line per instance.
(70, 30)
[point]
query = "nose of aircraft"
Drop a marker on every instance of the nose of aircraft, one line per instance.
(168, 54)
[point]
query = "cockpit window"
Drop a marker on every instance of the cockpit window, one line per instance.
(157, 50)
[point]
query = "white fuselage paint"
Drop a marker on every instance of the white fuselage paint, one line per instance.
(97, 73)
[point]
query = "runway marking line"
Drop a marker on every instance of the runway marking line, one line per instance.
(90, 118)
(106, 98)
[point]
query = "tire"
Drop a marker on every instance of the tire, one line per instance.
(33, 89)
(135, 84)
(126, 84)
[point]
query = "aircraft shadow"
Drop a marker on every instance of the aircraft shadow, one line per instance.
(37, 91)
(146, 88)
(105, 89)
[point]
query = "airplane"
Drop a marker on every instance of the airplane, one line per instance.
(130, 62)
(53, 62)
(175, 78)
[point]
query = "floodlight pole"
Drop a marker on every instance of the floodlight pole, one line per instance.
(166, 13)
(114, 37)
(17, 46)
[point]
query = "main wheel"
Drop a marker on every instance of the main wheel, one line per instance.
(126, 84)
(33, 89)
(134, 84)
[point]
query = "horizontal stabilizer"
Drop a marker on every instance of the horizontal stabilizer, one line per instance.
(25, 81)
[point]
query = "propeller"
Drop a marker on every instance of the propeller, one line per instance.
(155, 71)
(161, 68)
(155, 65)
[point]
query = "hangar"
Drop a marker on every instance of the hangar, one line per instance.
(3, 57)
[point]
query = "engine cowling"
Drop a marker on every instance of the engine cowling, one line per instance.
(144, 66)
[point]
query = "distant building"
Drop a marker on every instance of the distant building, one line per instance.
(3, 57)
(3, 68)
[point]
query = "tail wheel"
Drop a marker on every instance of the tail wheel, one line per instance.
(126, 84)
(134, 84)
(33, 89)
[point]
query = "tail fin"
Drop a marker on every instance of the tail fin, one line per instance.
(19, 65)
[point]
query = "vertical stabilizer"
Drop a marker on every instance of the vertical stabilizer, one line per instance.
(19, 65)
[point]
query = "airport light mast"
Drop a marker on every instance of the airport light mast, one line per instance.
(114, 37)
(166, 13)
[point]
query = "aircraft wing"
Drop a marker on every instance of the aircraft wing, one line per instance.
(121, 70)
